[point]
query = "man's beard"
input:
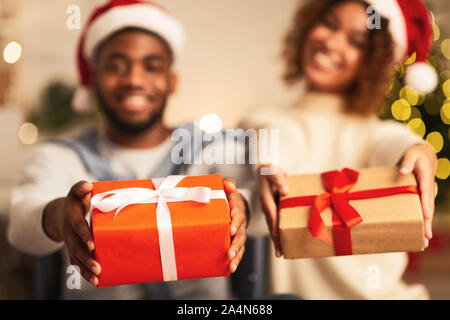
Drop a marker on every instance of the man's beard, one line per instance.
(125, 127)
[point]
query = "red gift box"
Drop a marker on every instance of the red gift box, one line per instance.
(160, 229)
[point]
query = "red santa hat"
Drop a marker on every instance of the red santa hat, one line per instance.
(412, 32)
(115, 16)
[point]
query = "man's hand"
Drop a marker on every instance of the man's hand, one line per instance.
(270, 186)
(421, 160)
(238, 223)
(64, 220)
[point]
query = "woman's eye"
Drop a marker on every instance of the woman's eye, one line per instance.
(356, 43)
(330, 24)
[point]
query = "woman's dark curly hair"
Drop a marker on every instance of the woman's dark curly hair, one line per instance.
(366, 94)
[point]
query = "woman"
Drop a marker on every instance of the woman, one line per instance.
(345, 67)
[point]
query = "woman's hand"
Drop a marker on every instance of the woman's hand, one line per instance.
(270, 187)
(421, 160)
(238, 223)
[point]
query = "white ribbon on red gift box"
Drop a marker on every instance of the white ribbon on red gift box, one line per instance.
(166, 191)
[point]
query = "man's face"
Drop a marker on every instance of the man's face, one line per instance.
(133, 79)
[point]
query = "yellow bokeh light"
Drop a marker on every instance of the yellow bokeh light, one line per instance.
(415, 113)
(400, 69)
(12, 52)
(445, 75)
(409, 94)
(436, 32)
(446, 88)
(417, 126)
(445, 48)
(443, 169)
(401, 109)
(411, 59)
(432, 105)
(435, 140)
(28, 133)
(436, 62)
(445, 113)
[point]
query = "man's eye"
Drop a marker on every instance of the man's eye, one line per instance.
(153, 68)
(116, 67)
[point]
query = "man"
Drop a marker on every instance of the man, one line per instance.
(125, 59)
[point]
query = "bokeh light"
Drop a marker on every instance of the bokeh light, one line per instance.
(445, 48)
(432, 105)
(443, 169)
(415, 113)
(446, 88)
(401, 110)
(409, 94)
(436, 32)
(411, 59)
(435, 140)
(445, 113)
(28, 133)
(436, 62)
(444, 75)
(210, 123)
(12, 52)
(417, 126)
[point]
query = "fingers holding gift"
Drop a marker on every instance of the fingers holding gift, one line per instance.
(238, 217)
(277, 182)
(422, 165)
(421, 160)
(235, 262)
(237, 248)
(79, 225)
(229, 185)
(237, 206)
(426, 183)
(82, 191)
(271, 213)
(85, 273)
(80, 256)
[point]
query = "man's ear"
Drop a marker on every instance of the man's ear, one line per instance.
(173, 82)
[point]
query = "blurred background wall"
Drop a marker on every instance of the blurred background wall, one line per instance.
(231, 64)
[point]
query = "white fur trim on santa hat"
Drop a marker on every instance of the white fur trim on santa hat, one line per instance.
(422, 77)
(391, 10)
(83, 100)
(143, 16)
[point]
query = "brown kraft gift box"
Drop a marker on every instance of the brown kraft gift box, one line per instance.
(391, 223)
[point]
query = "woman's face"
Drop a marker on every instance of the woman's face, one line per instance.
(334, 47)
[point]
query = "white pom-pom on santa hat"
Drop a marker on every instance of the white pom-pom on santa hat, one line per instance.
(422, 77)
(83, 100)
(115, 16)
(412, 33)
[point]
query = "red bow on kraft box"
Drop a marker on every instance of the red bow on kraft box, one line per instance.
(160, 229)
(381, 214)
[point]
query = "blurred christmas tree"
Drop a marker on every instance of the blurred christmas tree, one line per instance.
(54, 114)
(427, 116)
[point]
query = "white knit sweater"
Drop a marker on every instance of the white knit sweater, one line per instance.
(317, 136)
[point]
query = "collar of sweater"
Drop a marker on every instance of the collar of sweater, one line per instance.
(322, 102)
